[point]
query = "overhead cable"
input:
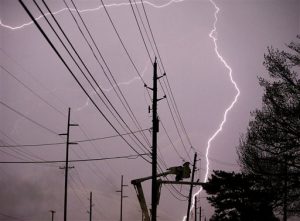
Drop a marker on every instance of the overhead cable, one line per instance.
(73, 75)
(130, 157)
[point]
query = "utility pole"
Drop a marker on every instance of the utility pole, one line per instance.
(200, 213)
(67, 162)
(154, 145)
(52, 214)
(91, 205)
(191, 189)
(155, 126)
(195, 208)
(121, 191)
(285, 189)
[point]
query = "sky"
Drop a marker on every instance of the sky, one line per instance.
(36, 84)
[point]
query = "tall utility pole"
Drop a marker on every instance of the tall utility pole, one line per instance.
(91, 205)
(200, 213)
(67, 162)
(52, 214)
(154, 145)
(196, 208)
(121, 191)
(155, 125)
(285, 190)
(191, 189)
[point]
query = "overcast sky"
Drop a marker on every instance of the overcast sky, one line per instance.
(40, 87)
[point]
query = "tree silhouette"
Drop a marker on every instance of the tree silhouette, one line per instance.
(237, 196)
(271, 146)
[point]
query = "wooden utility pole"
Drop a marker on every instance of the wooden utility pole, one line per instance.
(191, 189)
(155, 126)
(67, 162)
(154, 145)
(122, 196)
(91, 205)
(196, 208)
(52, 214)
(285, 190)
(200, 213)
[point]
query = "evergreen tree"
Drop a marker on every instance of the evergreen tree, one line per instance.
(271, 146)
(236, 196)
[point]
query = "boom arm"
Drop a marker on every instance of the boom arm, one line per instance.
(137, 183)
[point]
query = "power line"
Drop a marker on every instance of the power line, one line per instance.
(29, 119)
(122, 43)
(175, 107)
(73, 75)
(33, 77)
(75, 192)
(20, 153)
(173, 101)
(177, 129)
(32, 91)
(152, 35)
(81, 71)
(129, 110)
(60, 28)
(147, 52)
(172, 144)
(11, 217)
(141, 34)
(130, 157)
(10, 154)
(135, 17)
(95, 169)
(152, 62)
(53, 107)
(77, 141)
(98, 152)
(147, 35)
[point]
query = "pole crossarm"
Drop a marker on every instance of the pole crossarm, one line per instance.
(181, 182)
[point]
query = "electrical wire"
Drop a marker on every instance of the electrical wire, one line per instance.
(77, 141)
(168, 83)
(75, 192)
(11, 217)
(147, 19)
(172, 144)
(27, 118)
(73, 75)
(145, 29)
(53, 107)
(141, 34)
(60, 28)
(33, 77)
(126, 105)
(21, 154)
(72, 161)
(32, 91)
(95, 170)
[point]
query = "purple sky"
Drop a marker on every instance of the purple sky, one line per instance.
(199, 81)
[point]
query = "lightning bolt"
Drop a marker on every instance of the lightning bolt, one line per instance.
(88, 10)
(213, 36)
